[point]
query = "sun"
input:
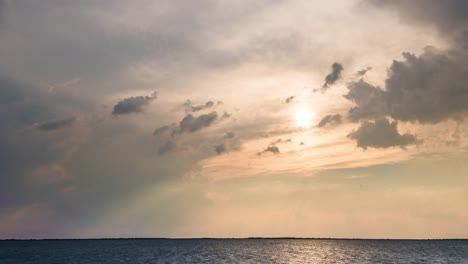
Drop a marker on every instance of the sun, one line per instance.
(303, 117)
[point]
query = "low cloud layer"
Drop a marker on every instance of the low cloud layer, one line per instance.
(133, 104)
(381, 134)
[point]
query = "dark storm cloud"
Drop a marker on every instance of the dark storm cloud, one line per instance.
(381, 134)
(133, 104)
(192, 124)
(189, 107)
(429, 88)
(56, 124)
(330, 120)
(332, 77)
(450, 17)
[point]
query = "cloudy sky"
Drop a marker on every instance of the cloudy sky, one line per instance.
(212, 118)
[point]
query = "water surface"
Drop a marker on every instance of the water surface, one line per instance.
(233, 251)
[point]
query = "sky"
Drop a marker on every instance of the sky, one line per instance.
(212, 118)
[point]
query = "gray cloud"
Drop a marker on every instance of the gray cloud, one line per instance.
(280, 140)
(10, 91)
(189, 107)
(192, 124)
(56, 124)
(133, 104)
(164, 131)
(23, 105)
(381, 134)
(229, 142)
(369, 100)
(330, 120)
(2, 6)
(166, 140)
(448, 16)
(290, 99)
(229, 135)
(220, 149)
(56, 41)
(363, 72)
(167, 135)
(332, 77)
(273, 149)
(168, 146)
(463, 40)
(226, 115)
(428, 88)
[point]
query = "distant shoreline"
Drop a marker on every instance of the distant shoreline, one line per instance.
(234, 238)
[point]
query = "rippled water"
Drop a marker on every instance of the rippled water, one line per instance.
(234, 251)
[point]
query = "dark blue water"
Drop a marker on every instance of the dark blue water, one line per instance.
(234, 251)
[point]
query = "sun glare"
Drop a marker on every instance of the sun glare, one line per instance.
(303, 117)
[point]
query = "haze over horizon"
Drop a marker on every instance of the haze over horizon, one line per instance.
(211, 118)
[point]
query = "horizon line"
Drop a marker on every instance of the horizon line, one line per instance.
(228, 238)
